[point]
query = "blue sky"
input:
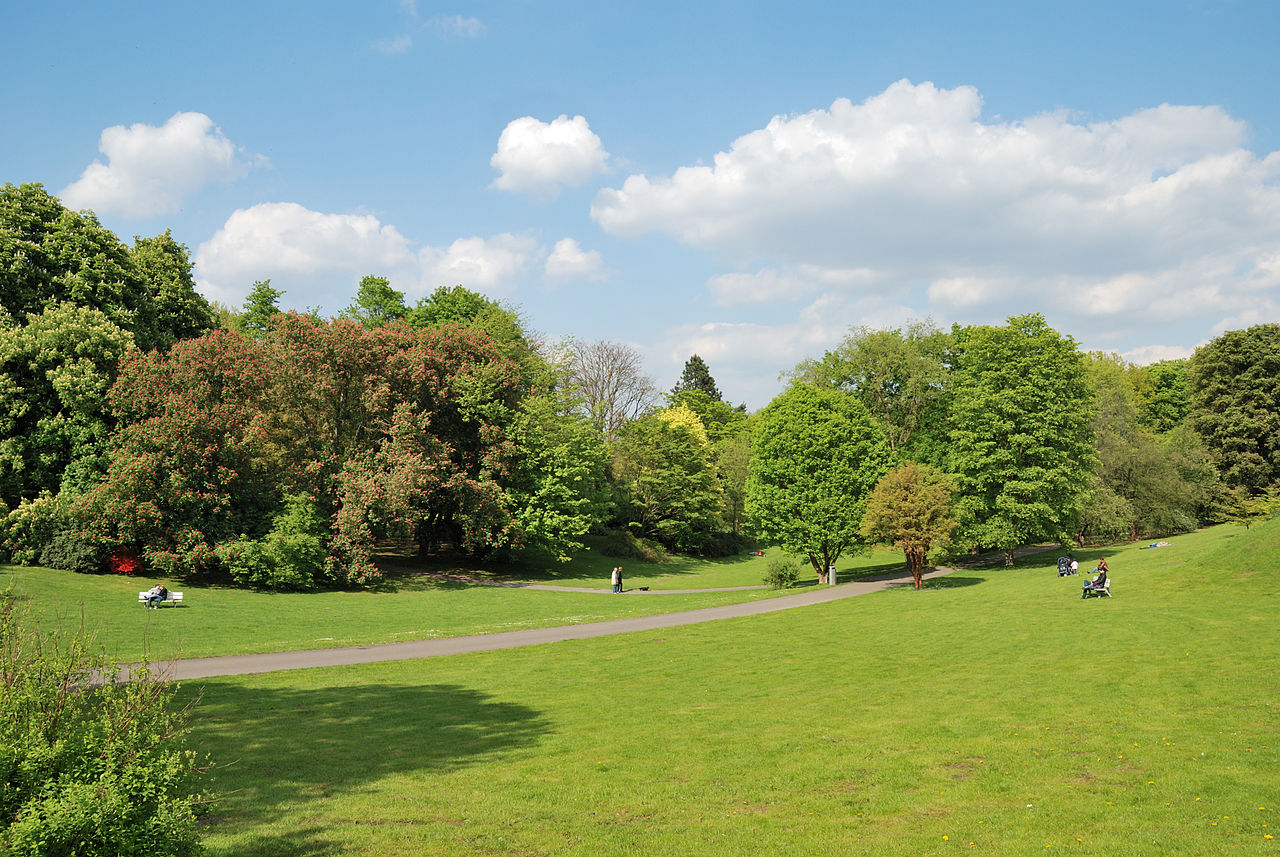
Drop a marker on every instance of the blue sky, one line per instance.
(745, 181)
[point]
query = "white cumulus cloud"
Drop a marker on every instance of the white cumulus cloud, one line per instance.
(153, 170)
(1160, 216)
(540, 158)
(568, 261)
(318, 258)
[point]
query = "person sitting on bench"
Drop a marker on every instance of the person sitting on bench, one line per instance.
(155, 595)
(1098, 583)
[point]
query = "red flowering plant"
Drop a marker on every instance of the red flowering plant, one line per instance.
(123, 562)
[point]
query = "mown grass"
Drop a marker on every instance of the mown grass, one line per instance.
(992, 713)
(409, 605)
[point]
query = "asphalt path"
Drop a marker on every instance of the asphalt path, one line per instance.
(195, 668)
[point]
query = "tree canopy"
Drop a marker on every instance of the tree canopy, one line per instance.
(697, 376)
(911, 509)
(1235, 388)
(816, 455)
(1021, 434)
(901, 377)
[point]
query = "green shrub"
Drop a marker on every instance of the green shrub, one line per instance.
(291, 556)
(782, 573)
(69, 552)
(88, 770)
(623, 544)
(25, 530)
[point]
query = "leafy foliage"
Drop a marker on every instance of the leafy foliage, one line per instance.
(376, 303)
(663, 473)
(259, 310)
(165, 267)
(54, 375)
(911, 508)
(1021, 435)
(816, 454)
(1235, 391)
(88, 770)
(782, 573)
(901, 377)
(1145, 484)
(1163, 394)
(50, 256)
(697, 376)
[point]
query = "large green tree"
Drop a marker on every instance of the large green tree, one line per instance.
(900, 376)
(1142, 485)
(816, 455)
(1235, 394)
(260, 309)
(50, 255)
(376, 303)
(1163, 394)
(55, 371)
(165, 267)
(663, 472)
(1021, 434)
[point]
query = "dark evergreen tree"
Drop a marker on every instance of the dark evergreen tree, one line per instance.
(697, 377)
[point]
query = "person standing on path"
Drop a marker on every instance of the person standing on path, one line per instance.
(616, 579)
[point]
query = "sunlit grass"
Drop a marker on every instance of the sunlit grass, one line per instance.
(427, 600)
(992, 713)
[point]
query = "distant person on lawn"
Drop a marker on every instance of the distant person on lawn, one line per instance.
(616, 579)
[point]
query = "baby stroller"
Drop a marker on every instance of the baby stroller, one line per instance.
(1064, 567)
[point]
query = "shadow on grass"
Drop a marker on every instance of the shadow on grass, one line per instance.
(952, 581)
(276, 750)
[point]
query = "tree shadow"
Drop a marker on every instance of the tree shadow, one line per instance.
(276, 748)
(952, 581)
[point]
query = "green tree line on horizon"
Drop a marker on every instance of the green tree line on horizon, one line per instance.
(141, 426)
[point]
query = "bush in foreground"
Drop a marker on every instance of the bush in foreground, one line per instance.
(88, 769)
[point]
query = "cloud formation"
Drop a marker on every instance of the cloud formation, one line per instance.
(541, 158)
(568, 261)
(1161, 215)
(153, 170)
(318, 258)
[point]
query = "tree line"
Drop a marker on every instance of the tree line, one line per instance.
(142, 427)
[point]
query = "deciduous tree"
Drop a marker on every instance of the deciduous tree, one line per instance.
(1021, 434)
(816, 455)
(609, 378)
(165, 267)
(1235, 394)
(901, 377)
(910, 508)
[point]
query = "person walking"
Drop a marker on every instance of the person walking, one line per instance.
(616, 579)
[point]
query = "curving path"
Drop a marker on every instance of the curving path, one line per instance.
(244, 664)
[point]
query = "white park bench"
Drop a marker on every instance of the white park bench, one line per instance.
(1100, 591)
(174, 599)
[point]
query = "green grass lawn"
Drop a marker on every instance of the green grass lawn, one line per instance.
(992, 713)
(221, 620)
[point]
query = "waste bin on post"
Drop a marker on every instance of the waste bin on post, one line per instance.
(831, 576)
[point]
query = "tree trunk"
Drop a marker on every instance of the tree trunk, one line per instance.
(915, 561)
(820, 567)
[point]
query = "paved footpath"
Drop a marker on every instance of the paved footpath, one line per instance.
(243, 664)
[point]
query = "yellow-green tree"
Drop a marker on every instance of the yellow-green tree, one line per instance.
(910, 508)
